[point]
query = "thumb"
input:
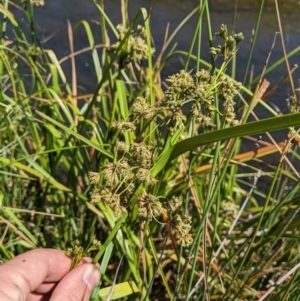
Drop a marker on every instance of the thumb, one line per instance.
(78, 284)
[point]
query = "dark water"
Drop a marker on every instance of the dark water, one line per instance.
(52, 20)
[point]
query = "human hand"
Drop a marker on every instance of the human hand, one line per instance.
(44, 275)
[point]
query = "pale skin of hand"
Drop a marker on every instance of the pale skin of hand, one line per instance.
(44, 275)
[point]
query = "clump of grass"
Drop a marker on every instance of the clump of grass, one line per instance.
(155, 174)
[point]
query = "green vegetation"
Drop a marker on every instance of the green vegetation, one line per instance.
(146, 175)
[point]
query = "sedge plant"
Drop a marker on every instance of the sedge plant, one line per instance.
(146, 174)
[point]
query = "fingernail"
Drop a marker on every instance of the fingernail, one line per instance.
(91, 276)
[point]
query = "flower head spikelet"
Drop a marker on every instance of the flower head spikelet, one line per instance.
(150, 206)
(118, 180)
(77, 252)
(200, 90)
(122, 148)
(141, 108)
(103, 194)
(227, 90)
(37, 2)
(144, 175)
(230, 42)
(95, 246)
(135, 48)
(95, 196)
(173, 204)
(181, 86)
(141, 155)
(182, 226)
(175, 121)
(93, 177)
(124, 126)
(115, 172)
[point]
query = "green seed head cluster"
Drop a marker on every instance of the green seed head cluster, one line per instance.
(141, 155)
(77, 252)
(230, 42)
(228, 213)
(293, 101)
(117, 181)
(201, 90)
(124, 126)
(142, 109)
(35, 51)
(125, 184)
(227, 90)
(182, 225)
(174, 204)
(149, 207)
(135, 48)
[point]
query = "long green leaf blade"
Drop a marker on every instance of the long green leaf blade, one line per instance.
(80, 137)
(251, 128)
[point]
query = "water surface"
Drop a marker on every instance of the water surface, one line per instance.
(52, 23)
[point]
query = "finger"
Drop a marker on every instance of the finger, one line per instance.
(78, 284)
(44, 291)
(26, 272)
(46, 287)
(39, 297)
